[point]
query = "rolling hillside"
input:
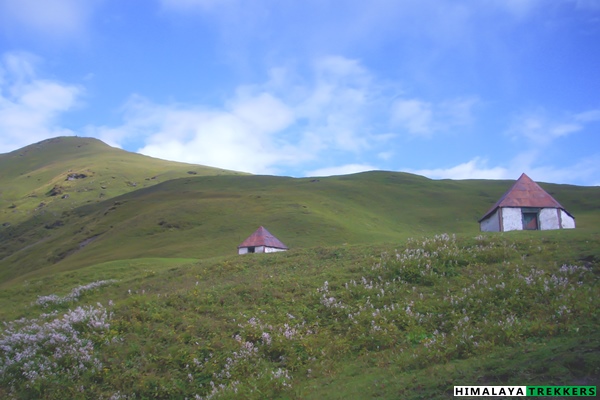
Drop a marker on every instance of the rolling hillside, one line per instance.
(204, 215)
(65, 172)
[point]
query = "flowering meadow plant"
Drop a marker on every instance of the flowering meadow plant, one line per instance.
(52, 346)
(75, 294)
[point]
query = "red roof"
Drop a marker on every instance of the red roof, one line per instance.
(262, 237)
(525, 193)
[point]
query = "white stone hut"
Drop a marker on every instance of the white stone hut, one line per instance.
(526, 206)
(261, 241)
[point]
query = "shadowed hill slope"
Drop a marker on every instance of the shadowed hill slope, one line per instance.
(206, 216)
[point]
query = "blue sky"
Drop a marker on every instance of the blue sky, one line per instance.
(445, 89)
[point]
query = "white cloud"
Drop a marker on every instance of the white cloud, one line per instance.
(518, 8)
(414, 115)
(62, 19)
(588, 116)
(341, 170)
(422, 118)
(583, 171)
(336, 104)
(541, 129)
(262, 128)
(320, 26)
(30, 107)
(241, 136)
(459, 111)
(586, 4)
(190, 4)
(263, 111)
(385, 155)
(474, 169)
(586, 169)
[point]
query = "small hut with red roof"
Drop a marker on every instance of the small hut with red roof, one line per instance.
(526, 206)
(261, 241)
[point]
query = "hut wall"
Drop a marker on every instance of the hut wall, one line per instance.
(567, 222)
(512, 219)
(272, 250)
(260, 249)
(548, 219)
(491, 223)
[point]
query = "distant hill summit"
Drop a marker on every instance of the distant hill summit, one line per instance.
(65, 172)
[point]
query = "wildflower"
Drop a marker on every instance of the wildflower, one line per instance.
(34, 348)
(45, 301)
(266, 338)
(289, 332)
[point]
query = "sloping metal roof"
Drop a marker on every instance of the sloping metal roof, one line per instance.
(262, 237)
(525, 193)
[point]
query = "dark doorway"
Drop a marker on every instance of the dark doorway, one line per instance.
(251, 249)
(530, 221)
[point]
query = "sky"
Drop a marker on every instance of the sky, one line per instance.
(448, 89)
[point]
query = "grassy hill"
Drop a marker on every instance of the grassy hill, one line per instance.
(206, 216)
(389, 289)
(65, 172)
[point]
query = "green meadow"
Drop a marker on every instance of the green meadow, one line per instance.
(125, 283)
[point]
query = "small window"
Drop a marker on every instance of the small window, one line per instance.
(251, 249)
(530, 221)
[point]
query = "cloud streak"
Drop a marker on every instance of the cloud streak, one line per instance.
(475, 168)
(540, 129)
(48, 19)
(341, 170)
(262, 127)
(31, 107)
(423, 118)
(239, 137)
(338, 109)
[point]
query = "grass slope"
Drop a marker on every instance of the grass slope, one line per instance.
(36, 178)
(409, 320)
(202, 217)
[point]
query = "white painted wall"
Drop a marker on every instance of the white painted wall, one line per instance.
(548, 219)
(568, 222)
(259, 249)
(273, 250)
(512, 219)
(491, 223)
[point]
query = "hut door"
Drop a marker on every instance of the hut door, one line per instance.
(530, 221)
